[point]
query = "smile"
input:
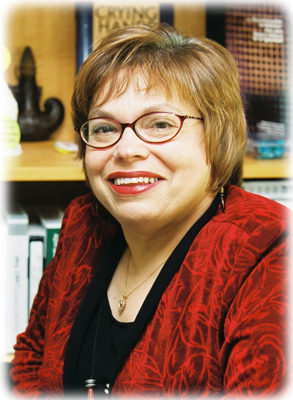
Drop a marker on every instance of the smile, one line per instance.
(135, 180)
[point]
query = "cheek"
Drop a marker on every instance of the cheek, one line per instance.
(94, 162)
(192, 165)
(189, 153)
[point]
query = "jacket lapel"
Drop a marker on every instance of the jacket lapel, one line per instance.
(96, 291)
(163, 280)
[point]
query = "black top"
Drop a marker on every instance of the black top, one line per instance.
(101, 346)
(115, 340)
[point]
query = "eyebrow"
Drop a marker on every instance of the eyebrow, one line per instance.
(100, 113)
(97, 112)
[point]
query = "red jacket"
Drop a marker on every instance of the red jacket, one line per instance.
(220, 326)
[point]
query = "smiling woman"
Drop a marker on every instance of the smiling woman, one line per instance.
(168, 279)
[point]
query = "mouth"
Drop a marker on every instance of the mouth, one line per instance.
(133, 182)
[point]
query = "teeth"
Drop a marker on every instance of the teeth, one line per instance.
(140, 179)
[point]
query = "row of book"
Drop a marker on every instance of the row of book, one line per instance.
(31, 241)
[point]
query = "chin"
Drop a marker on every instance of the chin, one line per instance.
(133, 214)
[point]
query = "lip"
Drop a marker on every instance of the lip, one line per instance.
(133, 189)
(132, 174)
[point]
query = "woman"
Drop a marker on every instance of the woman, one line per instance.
(168, 278)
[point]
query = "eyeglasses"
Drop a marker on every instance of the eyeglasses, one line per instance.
(154, 127)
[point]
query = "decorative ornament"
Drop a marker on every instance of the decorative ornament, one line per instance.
(122, 304)
(34, 123)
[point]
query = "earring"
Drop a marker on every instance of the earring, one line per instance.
(222, 198)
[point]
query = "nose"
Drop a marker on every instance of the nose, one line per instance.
(130, 147)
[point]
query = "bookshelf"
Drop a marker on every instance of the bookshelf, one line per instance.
(40, 173)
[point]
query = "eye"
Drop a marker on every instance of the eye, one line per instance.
(162, 124)
(159, 123)
(103, 126)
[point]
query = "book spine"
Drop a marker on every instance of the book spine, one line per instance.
(84, 32)
(52, 237)
(17, 288)
(167, 13)
(35, 267)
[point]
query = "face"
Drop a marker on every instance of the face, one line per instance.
(171, 180)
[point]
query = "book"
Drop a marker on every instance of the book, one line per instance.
(36, 257)
(94, 20)
(84, 32)
(16, 294)
(107, 17)
(51, 220)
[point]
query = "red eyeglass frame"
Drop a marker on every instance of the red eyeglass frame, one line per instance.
(132, 126)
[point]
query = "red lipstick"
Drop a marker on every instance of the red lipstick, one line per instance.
(133, 182)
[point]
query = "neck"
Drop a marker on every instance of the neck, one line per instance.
(150, 243)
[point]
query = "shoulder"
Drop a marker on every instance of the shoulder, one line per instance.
(252, 212)
(83, 204)
(250, 224)
(79, 212)
(83, 218)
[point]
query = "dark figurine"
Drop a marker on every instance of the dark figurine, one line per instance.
(34, 123)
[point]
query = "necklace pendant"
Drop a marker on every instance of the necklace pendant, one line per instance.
(122, 304)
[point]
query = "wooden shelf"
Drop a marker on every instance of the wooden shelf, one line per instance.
(267, 169)
(40, 161)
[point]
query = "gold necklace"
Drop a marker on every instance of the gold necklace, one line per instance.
(123, 301)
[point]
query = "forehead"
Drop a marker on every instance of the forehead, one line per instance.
(138, 97)
(139, 81)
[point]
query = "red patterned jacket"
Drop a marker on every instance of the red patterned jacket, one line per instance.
(220, 326)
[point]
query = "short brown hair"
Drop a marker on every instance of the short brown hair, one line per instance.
(201, 71)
